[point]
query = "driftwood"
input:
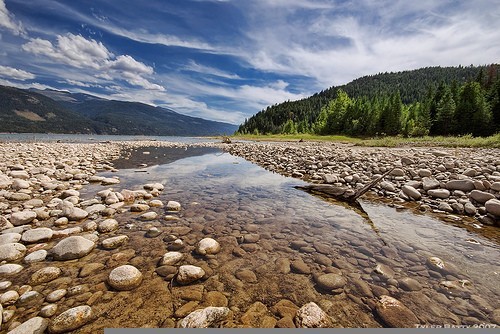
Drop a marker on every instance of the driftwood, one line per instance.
(340, 194)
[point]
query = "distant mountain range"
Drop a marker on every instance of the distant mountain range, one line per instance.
(52, 111)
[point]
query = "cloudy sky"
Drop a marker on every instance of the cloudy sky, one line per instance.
(227, 59)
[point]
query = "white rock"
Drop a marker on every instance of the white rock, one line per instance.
(173, 206)
(481, 196)
(208, 246)
(125, 278)
(108, 225)
(5, 181)
(22, 217)
(411, 192)
(36, 325)
(56, 295)
(12, 252)
(114, 242)
(36, 256)
(109, 181)
(189, 273)
(208, 317)
(312, 316)
(149, 216)
(9, 238)
(10, 269)
(73, 247)
(9, 297)
(439, 193)
(37, 235)
(20, 184)
(171, 258)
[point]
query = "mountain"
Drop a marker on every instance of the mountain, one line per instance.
(413, 86)
(25, 111)
(64, 112)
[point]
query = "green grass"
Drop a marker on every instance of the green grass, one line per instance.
(461, 141)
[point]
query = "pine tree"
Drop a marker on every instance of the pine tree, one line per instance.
(473, 115)
(444, 124)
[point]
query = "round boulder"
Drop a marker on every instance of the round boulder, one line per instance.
(108, 225)
(45, 275)
(208, 246)
(124, 278)
(330, 282)
(12, 251)
(73, 247)
(22, 217)
(37, 235)
(208, 317)
(188, 274)
(395, 314)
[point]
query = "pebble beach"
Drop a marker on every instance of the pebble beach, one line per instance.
(80, 252)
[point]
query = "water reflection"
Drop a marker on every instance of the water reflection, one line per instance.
(227, 197)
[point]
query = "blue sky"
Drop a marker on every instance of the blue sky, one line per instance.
(227, 59)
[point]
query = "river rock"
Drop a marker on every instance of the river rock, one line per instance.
(139, 207)
(208, 246)
(409, 284)
(395, 314)
(170, 258)
(48, 311)
(125, 277)
(36, 325)
(8, 298)
(22, 217)
(107, 181)
(45, 275)
(20, 184)
(29, 298)
(10, 269)
(95, 209)
(56, 295)
(246, 275)
(37, 235)
(9, 238)
(384, 270)
(73, 247)
(493, 206)
(189, 273)
(149, 216)
(208, 317)
(114, 242)
(74, 213)
(107, 225)
(71, 319)
(470, 209)
(300, 267)
(312, 316)
(439, 193)
(480, 196)
(331, 282)
(12, 251)
(5, 181)
(411, 192)
(173, 206)
(463, 185)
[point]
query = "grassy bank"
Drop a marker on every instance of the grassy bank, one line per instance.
(462, 141)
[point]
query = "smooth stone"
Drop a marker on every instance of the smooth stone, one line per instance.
(445, 207)
(107, 226)
(37, 235)
(171, 258)
(71, 319)
(493, 207)
(30, 298)
(439, 193)
(384, 270)
(125, 277)
(300, 267)
(205, 318)
(36, 256)
(173, 206)
(189, 273)
(12, 252)
(215, 298)
(48, 310)
(114, 242)
(149, 216)
(95, 209)
(395, 314)
(45, 275)
(166, 271)
(470, 209)
(9, 297)
(36, 325)
(312, 316)
(107, 181)
(463, 185)
(139, 207)
(22, 217)
(71, 248)
(331, 282)
(9, 238)
(56, 295)
(409, 284)
(90, 268)
(10, 269)
(246, 275)
(73, 213)
(251, 238)
(480, 196)
(153, 232)
(208, 246)
(411, 192)
(495, 186)
(4, 285)
(156, 203)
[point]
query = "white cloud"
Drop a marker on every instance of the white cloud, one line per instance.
(79, 52)
(16, 74)
(8, 21)
(198, 68)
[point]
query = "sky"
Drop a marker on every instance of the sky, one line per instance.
(226, 60)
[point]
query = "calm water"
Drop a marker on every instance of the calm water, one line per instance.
(86, 138)
(226, 197)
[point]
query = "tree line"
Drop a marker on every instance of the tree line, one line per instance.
(465, 100)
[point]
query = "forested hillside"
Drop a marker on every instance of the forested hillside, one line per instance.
(433, 100)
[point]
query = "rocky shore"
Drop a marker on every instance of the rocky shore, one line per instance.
(74, 261)
(458, 181)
